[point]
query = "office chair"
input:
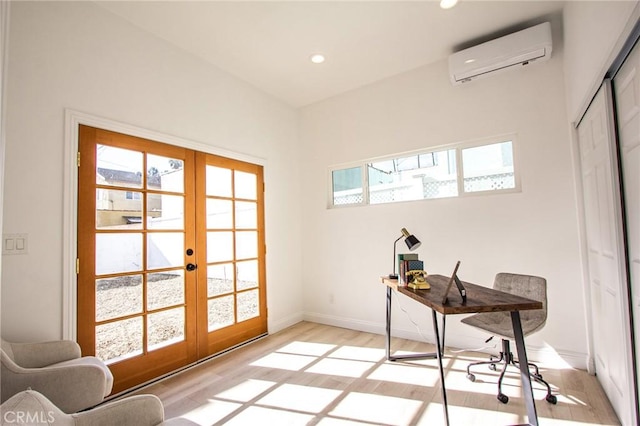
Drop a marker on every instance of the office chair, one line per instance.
(499, 323)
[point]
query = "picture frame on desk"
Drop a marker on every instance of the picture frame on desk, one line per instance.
(454, 279)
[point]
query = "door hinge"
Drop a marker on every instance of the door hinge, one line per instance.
(77, 266)
(78, 159)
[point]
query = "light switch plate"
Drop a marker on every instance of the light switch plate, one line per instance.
(15, 244)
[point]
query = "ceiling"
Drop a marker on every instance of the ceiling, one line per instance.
(269, 43)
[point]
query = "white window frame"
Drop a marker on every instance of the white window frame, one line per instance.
(458, 147)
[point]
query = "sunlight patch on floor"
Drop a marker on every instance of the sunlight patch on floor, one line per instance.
(284, 361)
(387, 410)
(246, 390)
(357, 353)
(407, 374)
(300, 398)
(306, 348)
(209, 413)
(328, 421)
(268, 416)
(340, 367)
(433, 415)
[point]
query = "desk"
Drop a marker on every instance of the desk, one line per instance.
(479, 299)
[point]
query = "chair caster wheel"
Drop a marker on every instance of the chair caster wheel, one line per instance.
(492, 367)
(471, 377)
(551, 399)
(503, 398)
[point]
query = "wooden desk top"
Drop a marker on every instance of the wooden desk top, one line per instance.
(479, 299)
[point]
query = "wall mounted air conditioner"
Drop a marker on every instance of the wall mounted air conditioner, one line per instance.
(509, 52)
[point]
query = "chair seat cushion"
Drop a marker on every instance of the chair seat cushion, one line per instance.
(499, 323)
(91, 360)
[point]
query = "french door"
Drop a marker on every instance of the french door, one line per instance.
(171, 254)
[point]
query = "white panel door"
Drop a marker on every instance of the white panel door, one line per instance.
(627, 89)
(607, 278)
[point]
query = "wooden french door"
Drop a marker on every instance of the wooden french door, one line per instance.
(170, 254)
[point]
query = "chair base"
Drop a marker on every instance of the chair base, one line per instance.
(507, 358)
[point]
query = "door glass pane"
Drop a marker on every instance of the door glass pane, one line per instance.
(165, 211)
(247, 275)
(488, 167)
(118, 252)
(246, 215)
(219, 246)
(118, 209)
(221, 312)
(246, 244)
(219, 214)
(119, 339)
(119, 296)
(165, 328)
(218, 181)
(245, 185)
(165, 249)
(248, 306)
(219, 279)
(165, 289)
(165, 173)
(118, 167)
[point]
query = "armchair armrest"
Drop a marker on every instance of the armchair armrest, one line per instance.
(138, 410)
(41, 354)
(70, 388)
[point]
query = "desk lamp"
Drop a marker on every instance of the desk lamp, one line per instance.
(411, 241)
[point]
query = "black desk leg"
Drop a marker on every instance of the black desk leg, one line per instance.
(439, 353)
(527, 390)
(387, 346)
(387, 343)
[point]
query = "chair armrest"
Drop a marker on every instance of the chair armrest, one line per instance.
(137, 410)
(41, 354)
(70, 388)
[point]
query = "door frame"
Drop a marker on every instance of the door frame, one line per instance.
(73, 119)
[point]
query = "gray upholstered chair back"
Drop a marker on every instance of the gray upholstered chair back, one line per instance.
(528, 286)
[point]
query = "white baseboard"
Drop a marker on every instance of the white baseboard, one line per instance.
(547, 355)
(280, 324)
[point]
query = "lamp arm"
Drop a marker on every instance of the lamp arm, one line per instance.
(394, 254)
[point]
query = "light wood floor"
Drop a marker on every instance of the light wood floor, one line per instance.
(314, 374)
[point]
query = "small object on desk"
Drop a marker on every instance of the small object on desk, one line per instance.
(419, 286)
(416, 279)
(461, 289)
(454, 278)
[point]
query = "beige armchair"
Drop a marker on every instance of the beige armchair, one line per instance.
(31, 408)
(57, 370)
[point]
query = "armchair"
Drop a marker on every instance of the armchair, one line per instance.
(56, 369)
(31, 408)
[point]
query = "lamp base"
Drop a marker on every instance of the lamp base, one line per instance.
(393, 276)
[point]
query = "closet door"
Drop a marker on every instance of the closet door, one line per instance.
(609, 310)
(627, 90)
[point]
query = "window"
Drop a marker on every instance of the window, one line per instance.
(488, 167)
(449, 172)
(347, 186)
(415, 177)
(132, 195)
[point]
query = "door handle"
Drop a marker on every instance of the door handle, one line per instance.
(191, 267)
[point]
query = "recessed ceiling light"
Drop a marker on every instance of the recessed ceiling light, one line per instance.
(317, 58)
(448, 4)
(469, 61)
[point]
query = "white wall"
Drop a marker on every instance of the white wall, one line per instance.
(594, 32)
(77, 55)
(531, 232)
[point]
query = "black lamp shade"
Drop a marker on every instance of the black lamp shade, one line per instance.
(412, 242)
